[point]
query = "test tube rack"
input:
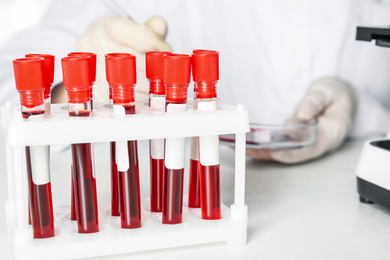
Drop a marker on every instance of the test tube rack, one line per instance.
(111, 239)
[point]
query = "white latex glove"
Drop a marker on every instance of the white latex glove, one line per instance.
(119, 34)
(330, 100)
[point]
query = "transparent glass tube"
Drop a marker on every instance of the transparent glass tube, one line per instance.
(209, 176)
(47, 99)
(129, 189)
(115, 198)
(156, 147)
(85, 188)
(84, 181)
(194, 180)
(172, 211)
(38, 173)
(73, 215)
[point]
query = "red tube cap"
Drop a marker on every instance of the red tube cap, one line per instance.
(205, 66)
(49, 66)
(76, 72)
(29, 74)
(120, 69)
(92, 61)
(49, 70)
(155, 64)
(177, 69)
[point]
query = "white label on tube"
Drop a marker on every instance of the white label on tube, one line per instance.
(172, 108)
(174, 147)
(40, 164)
(157, 148)
(38, 117)
(209, 150)
(208, 145)
(157, 145)
(174, 153)
(207, 105)
(122, 156)
(157, 102)
(194, 148)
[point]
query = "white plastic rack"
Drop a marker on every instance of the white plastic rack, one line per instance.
(58, 128)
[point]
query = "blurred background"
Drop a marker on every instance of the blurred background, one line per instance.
(15, 15)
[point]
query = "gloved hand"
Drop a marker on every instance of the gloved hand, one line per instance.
(330, 100)
(119, 34)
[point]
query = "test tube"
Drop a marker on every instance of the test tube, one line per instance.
(177, 72)
(48, 77)
(77, 82)
(92, 64)
(121, 76)
(92, 67)
(115, 198)
(194, 179)
(155, 74)
(30, 82)
(205, 72)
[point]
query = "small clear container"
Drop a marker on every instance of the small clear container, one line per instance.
(276, 131)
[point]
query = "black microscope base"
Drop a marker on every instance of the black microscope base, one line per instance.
(371, 193)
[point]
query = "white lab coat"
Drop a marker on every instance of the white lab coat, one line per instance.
(270, 51)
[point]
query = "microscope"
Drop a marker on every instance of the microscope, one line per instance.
(373, 168)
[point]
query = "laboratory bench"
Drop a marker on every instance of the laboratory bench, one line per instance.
(304, 211)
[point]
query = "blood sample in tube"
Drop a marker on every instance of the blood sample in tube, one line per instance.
(92, 75)
(115, 205)
(73, 202)
(30, 82)
(155, 74)
(78, 84)
(177, 70)
(48, 77)
(121, 76)
(48, 60)
(92, 67)
(194, 181)
(205, 73)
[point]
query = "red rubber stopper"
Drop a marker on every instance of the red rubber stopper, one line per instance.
(77, 79)
(177, 69)
(92, 63)
(120, 69)
(205, 66)
(29, 74)
(205, 73)
(29, 80)
(49, 70)
(176, 94)
(155, 64)
(123, 95)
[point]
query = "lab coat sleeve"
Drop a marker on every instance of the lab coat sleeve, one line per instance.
(56, 34)
(371, 118)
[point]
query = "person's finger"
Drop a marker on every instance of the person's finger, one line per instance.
(137, 36)
(332, 102)
(158, 25)
(328, 138)
(321, 95)
(307, 153)
(310, 106)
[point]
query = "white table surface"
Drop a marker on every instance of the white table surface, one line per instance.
(306, 211)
